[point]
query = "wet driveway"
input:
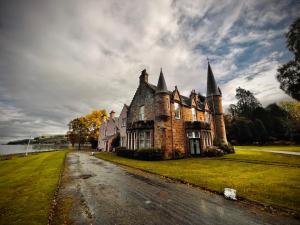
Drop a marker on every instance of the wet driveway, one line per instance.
(106, 194)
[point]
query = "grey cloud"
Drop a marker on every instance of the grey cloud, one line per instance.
(62, 59)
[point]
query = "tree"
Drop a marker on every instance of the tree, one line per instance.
(94, 121)
(246, 104)
(71, 135)
(86, 128)
(244, 132)
(260, 132)
(288, 74)
(78, 128)
(293, 38)
(293, 111)
(289, 78)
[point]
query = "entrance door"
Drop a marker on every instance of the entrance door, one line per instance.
(195, 146)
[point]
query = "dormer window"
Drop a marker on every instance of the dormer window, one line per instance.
(142, 113)
(194, 115)
(177, 111)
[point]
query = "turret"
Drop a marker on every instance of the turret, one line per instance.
(162, 98)
(214, 100)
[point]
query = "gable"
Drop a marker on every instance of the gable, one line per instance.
(144, 96)
(176, 95)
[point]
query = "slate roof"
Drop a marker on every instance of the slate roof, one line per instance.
(212, 88)
(161, 85)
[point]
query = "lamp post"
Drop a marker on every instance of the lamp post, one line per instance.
(28, 146)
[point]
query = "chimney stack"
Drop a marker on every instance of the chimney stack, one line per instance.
(144, 77)
(112, 114)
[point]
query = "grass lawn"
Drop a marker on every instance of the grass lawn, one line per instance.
(27, 185)
(294, 148)
(261, 176)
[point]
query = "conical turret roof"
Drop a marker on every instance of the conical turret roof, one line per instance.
(212, 88)
(161, 85)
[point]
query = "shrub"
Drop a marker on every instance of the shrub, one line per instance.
(151, 154)
(226, 148)
(122, 151)
(178, 154)
(213, 151)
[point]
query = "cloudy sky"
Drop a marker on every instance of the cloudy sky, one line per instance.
(60, 59)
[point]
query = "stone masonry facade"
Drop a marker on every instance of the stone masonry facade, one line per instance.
(177, 124)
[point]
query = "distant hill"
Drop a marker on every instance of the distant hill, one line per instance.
(49, 139)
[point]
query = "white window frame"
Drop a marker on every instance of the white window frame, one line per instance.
(177, 108)
(142, 113)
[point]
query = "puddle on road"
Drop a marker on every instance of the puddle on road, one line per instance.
(85, 176)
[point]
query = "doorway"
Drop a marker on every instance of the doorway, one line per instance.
(194, 146)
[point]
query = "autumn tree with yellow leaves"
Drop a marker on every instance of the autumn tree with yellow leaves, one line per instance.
(86, 128)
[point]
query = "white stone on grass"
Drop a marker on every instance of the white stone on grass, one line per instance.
(230, 193)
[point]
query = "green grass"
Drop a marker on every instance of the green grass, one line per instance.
(293, 148)
(261, 176)
(27, 186)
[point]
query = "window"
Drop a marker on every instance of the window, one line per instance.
(194, 116)
(193, 134)
(177, 111)
(142, 111)
(124, 122)
(207, 117)
(141, 140)
(123, 141)
(147, 139)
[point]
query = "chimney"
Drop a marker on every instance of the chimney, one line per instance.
(194, 95)
(144, 77)
(112, 114)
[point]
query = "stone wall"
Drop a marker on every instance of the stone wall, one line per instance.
(144, 96)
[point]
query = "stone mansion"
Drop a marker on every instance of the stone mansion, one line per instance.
(159, 118)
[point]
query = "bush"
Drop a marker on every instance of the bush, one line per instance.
(122, 151)
(213, 151)
(150, 154)
(178, 154)
(226, 148)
